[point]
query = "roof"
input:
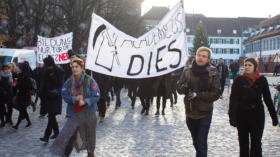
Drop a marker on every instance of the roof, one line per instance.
(156, 13)
(226, 25)
(266, 28)
(212, 24)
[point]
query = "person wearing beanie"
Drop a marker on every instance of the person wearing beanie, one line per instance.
(50, 93)
(22, 97)
(246, 109)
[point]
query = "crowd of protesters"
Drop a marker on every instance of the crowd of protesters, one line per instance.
(86, 93)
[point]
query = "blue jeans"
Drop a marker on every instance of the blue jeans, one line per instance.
(199, 129)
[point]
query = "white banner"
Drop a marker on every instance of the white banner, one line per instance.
(158, 52)
(57, 47)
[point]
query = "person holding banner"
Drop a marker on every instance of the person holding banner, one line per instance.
(201, 86)
(81, 93)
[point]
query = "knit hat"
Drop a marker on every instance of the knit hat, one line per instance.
(49, 61)
(253, 61)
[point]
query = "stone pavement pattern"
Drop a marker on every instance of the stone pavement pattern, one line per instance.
(126, 133)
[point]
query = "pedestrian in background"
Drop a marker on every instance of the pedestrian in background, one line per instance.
(223, 74)
(81, 93)
(22, 98)
(246, 109)
(6, 94)
(50, 92)
(201, 86)
(234, 68)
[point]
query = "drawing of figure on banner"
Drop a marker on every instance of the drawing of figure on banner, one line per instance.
(108, 58)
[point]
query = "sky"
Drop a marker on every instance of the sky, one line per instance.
(222, 8)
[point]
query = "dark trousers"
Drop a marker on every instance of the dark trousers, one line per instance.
(199, 129)
(9, 112)
(146, 104)
(174, 93)
(3, 113)
(254, 133)
(52, 126)
(222, 81)
(132, 95)
(163, 102)
(23, 114)
(118, 97)
(102, 106)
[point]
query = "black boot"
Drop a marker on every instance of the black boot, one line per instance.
(147, 111)
(162, 112)
(143, 110)
(157, 113)
(28, 124)
(44, 139)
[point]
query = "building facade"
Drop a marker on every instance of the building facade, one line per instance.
(264, 42)
(225, 35)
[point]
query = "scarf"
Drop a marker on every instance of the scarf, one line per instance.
(202, 73)
(251, 78)
(77, 88)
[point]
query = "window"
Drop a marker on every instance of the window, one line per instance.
(278, 43)
(270, 44)
(236, 41)
(219, 31)
(227, 41)
(220, 41)
(188, 30)
(189, 39)
(236, 51)
(267, 45)
(274, 44)
(227, 51)
(234, 31)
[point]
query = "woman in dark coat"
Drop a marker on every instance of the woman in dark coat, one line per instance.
(23, 89)
(246, 109)
(50, 93)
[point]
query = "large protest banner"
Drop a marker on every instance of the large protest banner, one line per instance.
(57, 47)
(158, 52)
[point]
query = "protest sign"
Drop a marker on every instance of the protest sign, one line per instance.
(57, 47)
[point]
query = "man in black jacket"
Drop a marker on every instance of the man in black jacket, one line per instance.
(223, 74)
(50, 92)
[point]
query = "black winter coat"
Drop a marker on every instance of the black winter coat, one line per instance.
(22, 89)
(50, 89)
(6, 91)
(148, 87)
(246, 105)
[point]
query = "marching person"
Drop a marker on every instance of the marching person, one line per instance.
(22, 98)
(50, 93)
(246, 109)
(223, 74)
(6, 94)
(81, 93)
(201, 86)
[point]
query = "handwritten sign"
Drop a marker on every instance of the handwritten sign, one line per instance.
(57, 47)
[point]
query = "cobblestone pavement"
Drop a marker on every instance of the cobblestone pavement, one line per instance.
(126, 133)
